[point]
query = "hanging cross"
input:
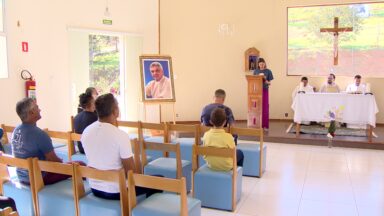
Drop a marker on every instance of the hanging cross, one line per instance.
(335, 30)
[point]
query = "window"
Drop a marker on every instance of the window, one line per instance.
(3, 44)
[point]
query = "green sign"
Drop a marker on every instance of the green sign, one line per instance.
(107, 22)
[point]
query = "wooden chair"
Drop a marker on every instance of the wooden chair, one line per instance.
(254, 153)
(6, 140)
(165, 166)
(216, 189)
(64, 138)
(8, 212)
(186, 144)
(162, 138)
(72, 124)
(88, 204)
(56, 199)
(132, 124)
(24, 196)
(161, 204)
(77, 156)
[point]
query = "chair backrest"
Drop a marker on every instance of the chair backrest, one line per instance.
(8, 212)
(184, 128)
(218, 152)
(64, 136)
(132, 124)
(254, 132)
(117, 176)
(7, 129)
(53, 167)
(155, 126)
(8, 160)
(164, 147)
(136, 155)
(72, 124)
(159, 183)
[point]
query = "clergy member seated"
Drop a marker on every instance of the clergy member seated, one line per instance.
(86, 117)
(357, 87)
(216, 137)
(108, 148)
(302, 87)
(330, 86)
(29, 141)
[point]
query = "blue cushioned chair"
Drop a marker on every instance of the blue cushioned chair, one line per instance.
(162, 204)
(158, 135)
(255, 153)
(59, 198)
(60, 138)
(88, 204)
(217, 189)
(186, 143)
(167, 167)
(23, 195)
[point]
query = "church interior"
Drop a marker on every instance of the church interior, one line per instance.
(52, 51)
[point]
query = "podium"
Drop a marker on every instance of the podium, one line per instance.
(255, 100)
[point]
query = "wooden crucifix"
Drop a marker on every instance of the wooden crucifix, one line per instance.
(336, 30)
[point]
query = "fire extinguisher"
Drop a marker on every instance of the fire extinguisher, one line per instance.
(30, 84)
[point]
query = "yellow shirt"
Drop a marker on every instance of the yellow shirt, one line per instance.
(218, 138)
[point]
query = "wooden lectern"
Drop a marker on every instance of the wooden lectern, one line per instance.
(255, 100)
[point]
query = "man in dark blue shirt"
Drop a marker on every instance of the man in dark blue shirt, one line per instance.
(218, 102)
(30, 141)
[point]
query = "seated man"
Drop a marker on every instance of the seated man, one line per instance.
(218, 102)
(86, 117)
(330, 86)
(30, 141)
(303, 87)
(218, 138)
(357, 87)
(108, 148)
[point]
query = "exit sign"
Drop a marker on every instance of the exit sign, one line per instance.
(107, 22)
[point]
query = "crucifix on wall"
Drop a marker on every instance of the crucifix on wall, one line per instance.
(336, 30)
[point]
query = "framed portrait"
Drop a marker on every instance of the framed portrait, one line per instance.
(157, 78)
(251, 56)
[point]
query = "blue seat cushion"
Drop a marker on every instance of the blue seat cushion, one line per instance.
(57, 199)
(167, 168)
(58, 144)
(214, 188)
(251, 164)
(153, 153)
(186, 146)
(166, 204)
(79, 157)
(62, 153)
(92, 205)
(22, 196)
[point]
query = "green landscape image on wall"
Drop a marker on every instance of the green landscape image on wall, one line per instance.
(318, 46)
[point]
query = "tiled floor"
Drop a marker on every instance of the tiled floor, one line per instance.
(313, 180)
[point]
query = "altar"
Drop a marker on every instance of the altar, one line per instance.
(347, 108)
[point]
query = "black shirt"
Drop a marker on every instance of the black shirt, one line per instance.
(81, 121)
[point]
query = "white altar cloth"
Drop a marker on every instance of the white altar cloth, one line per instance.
(354, 108)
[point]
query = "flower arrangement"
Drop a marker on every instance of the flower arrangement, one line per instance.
(333, 115)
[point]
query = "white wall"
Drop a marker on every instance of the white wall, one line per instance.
(204, 59)
(44, 26)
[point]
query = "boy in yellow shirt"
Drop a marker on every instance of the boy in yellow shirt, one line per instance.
(218, 138)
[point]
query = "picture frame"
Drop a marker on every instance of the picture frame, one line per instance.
(251, 56)
(157, 82)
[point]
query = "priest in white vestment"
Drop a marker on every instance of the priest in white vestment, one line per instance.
(330, 86)
(356, 87)
(302, 87)
(160, 87)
